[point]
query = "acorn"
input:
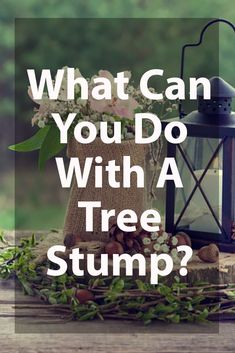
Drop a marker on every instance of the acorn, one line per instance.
(136, 245)
(119, 236)
(84, 295)
(114, 247)
(183, 239)
(209, 253)
(129, 243)
(112, 231)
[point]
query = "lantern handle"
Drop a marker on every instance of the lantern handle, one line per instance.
(181, 112)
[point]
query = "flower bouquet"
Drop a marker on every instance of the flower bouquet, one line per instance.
(47, 141)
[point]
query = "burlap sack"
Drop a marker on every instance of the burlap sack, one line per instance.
(119, 199)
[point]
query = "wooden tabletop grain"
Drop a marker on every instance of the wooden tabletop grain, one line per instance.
(28, 326)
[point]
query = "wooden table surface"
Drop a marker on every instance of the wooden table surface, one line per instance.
(24, 328)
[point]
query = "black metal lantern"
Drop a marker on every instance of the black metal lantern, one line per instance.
(205, 207)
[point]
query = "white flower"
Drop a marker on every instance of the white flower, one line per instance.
(36, 118)
(76, 110)
(41, 124)
(110, 130)
(174, 241)
(154, 236)
(97, 125)
(165, 248)
(165, 236)
(85, 133)
(161, 264)
(146, 241)
(108, 118)
(129, 136)
(130, 89)
(63, 88)
(157, 247)
(125, 131)
(77, 73)
(174, 252)
(38, 101)
(93, 77)
(160, 240)
(82, 102)
(146, 251)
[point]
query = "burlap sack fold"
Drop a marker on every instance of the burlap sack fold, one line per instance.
(119, 199)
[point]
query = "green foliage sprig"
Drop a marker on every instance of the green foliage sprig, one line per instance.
(116, 298)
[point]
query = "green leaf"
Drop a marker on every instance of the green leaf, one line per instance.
(203, 315)
(33, 240)
(88, 316)
(52, 300)
(138, 110)
(118, 285)
(33, 143)
(2, 238)
(51, 146)
(231, 294)
(28, 290)
(141, 285)
(174, 318)
(63, 299)
(162, 308)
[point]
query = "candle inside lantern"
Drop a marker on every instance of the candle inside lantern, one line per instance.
(212, 187)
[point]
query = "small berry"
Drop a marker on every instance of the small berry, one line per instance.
(84, 295)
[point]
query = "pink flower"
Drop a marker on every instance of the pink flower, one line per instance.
(46, 106)
(125, 108)
(115, 106)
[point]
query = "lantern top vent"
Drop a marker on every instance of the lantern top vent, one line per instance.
(221, 98)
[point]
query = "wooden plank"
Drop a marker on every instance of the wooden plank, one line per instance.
(115, 336)
(96, 336)
(127, 342)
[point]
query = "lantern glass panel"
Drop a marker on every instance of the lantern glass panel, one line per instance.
(204, 202)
